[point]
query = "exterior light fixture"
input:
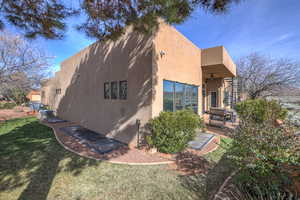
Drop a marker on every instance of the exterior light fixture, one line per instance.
(162, 53)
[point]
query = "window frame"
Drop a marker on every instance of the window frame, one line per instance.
(58, 91)
(111, 90)
(120, 90)
(195, 108)
(106, 95)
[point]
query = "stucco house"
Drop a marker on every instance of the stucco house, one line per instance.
(34, 96)
(108, 86)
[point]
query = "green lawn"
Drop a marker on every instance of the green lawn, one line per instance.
(33, 166)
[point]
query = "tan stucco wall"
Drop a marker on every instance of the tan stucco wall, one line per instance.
(216, 60)
(181, 63)
(135, 58)
(82, 78)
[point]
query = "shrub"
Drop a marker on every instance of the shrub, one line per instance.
(265, 153)
(19, 96)
(171, 131)
(7, 105)
(260, 110)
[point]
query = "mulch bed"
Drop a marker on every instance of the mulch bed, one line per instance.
(122, 155)
(186, 163)
(7, 114)
(191, 161)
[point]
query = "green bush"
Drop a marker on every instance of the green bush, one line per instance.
(260, 110)
(7, 105)
(171, 131)
(19, 96)
(264, 153)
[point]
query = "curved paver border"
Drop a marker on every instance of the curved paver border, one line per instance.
(202, 152)
(105, 160)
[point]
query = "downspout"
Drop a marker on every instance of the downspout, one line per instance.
(231, 106)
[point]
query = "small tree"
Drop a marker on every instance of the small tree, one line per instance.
(260, 76)
(22, 65)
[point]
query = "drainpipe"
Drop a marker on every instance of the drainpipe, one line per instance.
(232, 84)
(138, 124)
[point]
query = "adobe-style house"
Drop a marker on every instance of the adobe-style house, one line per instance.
(108, 86)
(34, 96)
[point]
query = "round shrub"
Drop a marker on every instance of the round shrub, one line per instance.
(171, 131)
(260, 110)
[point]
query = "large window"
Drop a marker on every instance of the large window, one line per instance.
(178, 96)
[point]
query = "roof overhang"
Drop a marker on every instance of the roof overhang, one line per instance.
(216, 63)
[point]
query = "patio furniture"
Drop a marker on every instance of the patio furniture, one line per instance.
(217, 117)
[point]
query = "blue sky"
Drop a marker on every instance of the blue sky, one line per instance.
(271, 27)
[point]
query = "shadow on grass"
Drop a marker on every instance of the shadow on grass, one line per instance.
(30, 158)
(207, 183)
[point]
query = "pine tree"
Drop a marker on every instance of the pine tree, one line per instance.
(104, 18)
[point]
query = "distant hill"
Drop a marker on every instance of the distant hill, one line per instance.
(287, 92)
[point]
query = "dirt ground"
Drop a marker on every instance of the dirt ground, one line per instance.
(6, 114)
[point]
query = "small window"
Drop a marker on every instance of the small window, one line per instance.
(43, 94)
(114, 90)
(58, 91)
(106, 90)
(123, 90)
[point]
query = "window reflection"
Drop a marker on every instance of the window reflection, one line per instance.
(168, 95)
(178, 96)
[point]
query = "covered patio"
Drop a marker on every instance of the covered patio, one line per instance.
(219, 87)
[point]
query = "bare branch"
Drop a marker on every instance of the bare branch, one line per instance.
(22, 65)
(261, 76)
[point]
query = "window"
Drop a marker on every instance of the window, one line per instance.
(123, 90)
(213, 99)
(178, 96)
(203, 90)
(168, 95)
(226, 98)
(106, 90)
(43, 94)
(114, 90)
(58, 91)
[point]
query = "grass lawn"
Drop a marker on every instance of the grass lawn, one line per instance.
(33, 166)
